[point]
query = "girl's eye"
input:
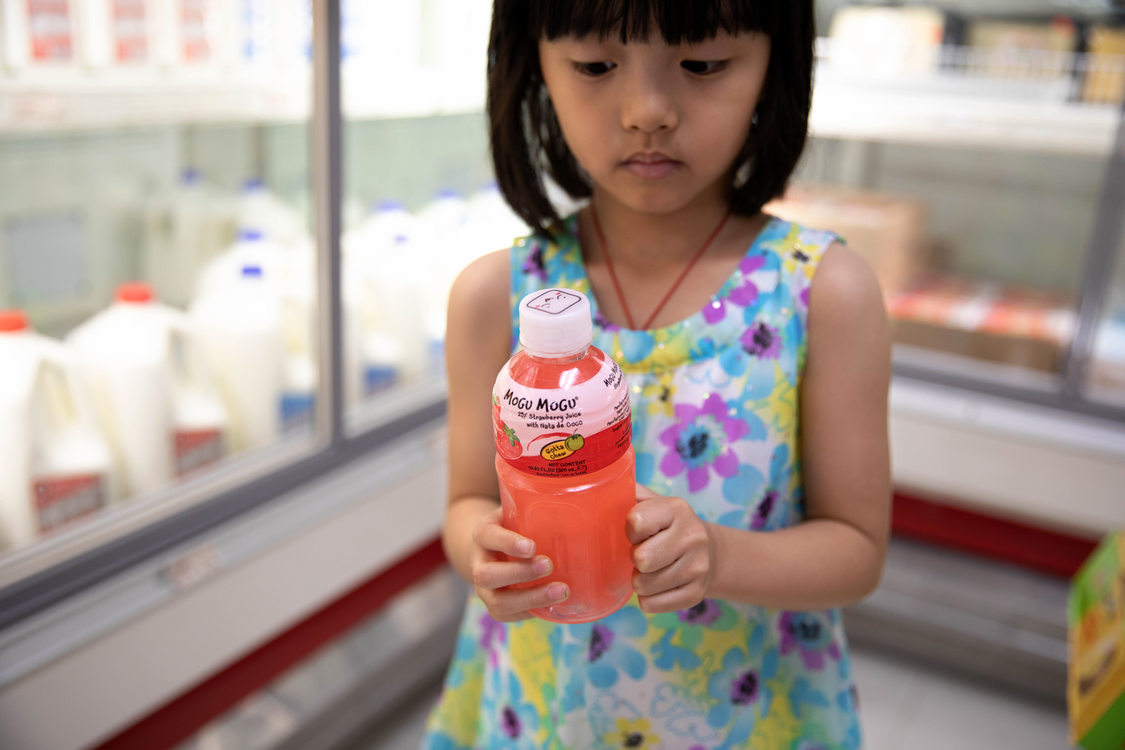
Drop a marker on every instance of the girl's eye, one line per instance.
(594, 69)
(703, 67)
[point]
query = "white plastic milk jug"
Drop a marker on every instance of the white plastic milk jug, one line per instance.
(239, 319)
(156, 403)
(55, 467)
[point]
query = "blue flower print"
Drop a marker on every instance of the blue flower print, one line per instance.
(700, 441)
(742, 682)
(515, 721)
(741, 691)
(737, 491)
(668, 656)
(609, 652)
(848, 702)
(442, 742)
(703, 348)
(761, 516)
(802, 744)
(534, 264)
(802, 694)
(634, 346)
(572, 672)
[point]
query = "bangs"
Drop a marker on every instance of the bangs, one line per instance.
(678, 21)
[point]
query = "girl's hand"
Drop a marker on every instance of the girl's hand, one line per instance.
(494, 572)
(673, 552)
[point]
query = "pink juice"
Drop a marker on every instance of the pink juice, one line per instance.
(564, 456)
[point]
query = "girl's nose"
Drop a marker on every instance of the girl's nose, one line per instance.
(648, 105)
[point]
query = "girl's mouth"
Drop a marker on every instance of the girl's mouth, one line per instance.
(651, 165)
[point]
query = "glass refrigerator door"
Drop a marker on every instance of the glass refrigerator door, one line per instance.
(1106, 366)
(964, 153)
(158, 277)
(420, 203)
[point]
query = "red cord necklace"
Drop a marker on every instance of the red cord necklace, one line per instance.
(675, 284)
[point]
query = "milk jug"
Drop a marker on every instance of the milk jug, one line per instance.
(385, 257)
(55, 467)
(240, 323)
(184, 230)
(155, 400)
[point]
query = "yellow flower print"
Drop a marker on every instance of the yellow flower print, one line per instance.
(659, 396)
(631, 733)
(798, 255)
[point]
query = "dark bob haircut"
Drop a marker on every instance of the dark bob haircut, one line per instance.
(524, 130)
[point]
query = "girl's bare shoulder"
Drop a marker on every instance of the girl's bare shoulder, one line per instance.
(845, 289)
(479, 311)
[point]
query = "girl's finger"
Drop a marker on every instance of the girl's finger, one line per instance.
(514, 603)
(665, 579)
(684, 597)
(498, 574)
(493, 536)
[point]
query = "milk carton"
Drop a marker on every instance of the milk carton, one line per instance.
(55, 466)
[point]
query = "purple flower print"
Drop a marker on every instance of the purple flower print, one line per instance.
(762, 513)
(490, 630)
(510, 722)
(762, 341)
(705, 613)
(534, 265)
(743, 295)
(602, 323)
(744, 688)
(700, 440)
(600, 641)
(492, 634)
(808, 634)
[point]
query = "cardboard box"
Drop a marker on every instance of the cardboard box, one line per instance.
(888, 231)
(1104, 82)
(874, 41)
(1096, 635)
(1010, 325)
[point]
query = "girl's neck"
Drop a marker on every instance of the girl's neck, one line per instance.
(652, 241)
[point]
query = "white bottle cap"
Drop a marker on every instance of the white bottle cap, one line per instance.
(555, 323)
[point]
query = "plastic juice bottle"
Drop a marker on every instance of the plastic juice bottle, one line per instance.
(564, 454)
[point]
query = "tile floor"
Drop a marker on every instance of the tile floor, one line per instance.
(906, 706)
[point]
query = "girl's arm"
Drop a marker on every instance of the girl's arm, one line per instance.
(477, 341)
(835, 557)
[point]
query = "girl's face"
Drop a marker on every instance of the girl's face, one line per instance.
(657, 127)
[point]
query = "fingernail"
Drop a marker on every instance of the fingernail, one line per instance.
(557, 591)
(525, 546)
(542, 566)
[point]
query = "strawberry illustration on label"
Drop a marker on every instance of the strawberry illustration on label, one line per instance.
(508, 444)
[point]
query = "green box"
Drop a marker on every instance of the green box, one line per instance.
(1096, 630)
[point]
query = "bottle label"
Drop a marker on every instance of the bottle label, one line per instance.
(61, 500)
(195, 449)
(563, 432)
(130, 33)
(49, 26)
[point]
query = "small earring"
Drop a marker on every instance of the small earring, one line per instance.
(742, 174)
(754, 119)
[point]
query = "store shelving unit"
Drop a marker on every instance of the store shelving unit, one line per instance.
(1054, 442)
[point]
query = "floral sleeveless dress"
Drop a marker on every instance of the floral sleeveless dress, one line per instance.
(714, 407)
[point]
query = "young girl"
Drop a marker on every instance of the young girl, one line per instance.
(757, 356)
